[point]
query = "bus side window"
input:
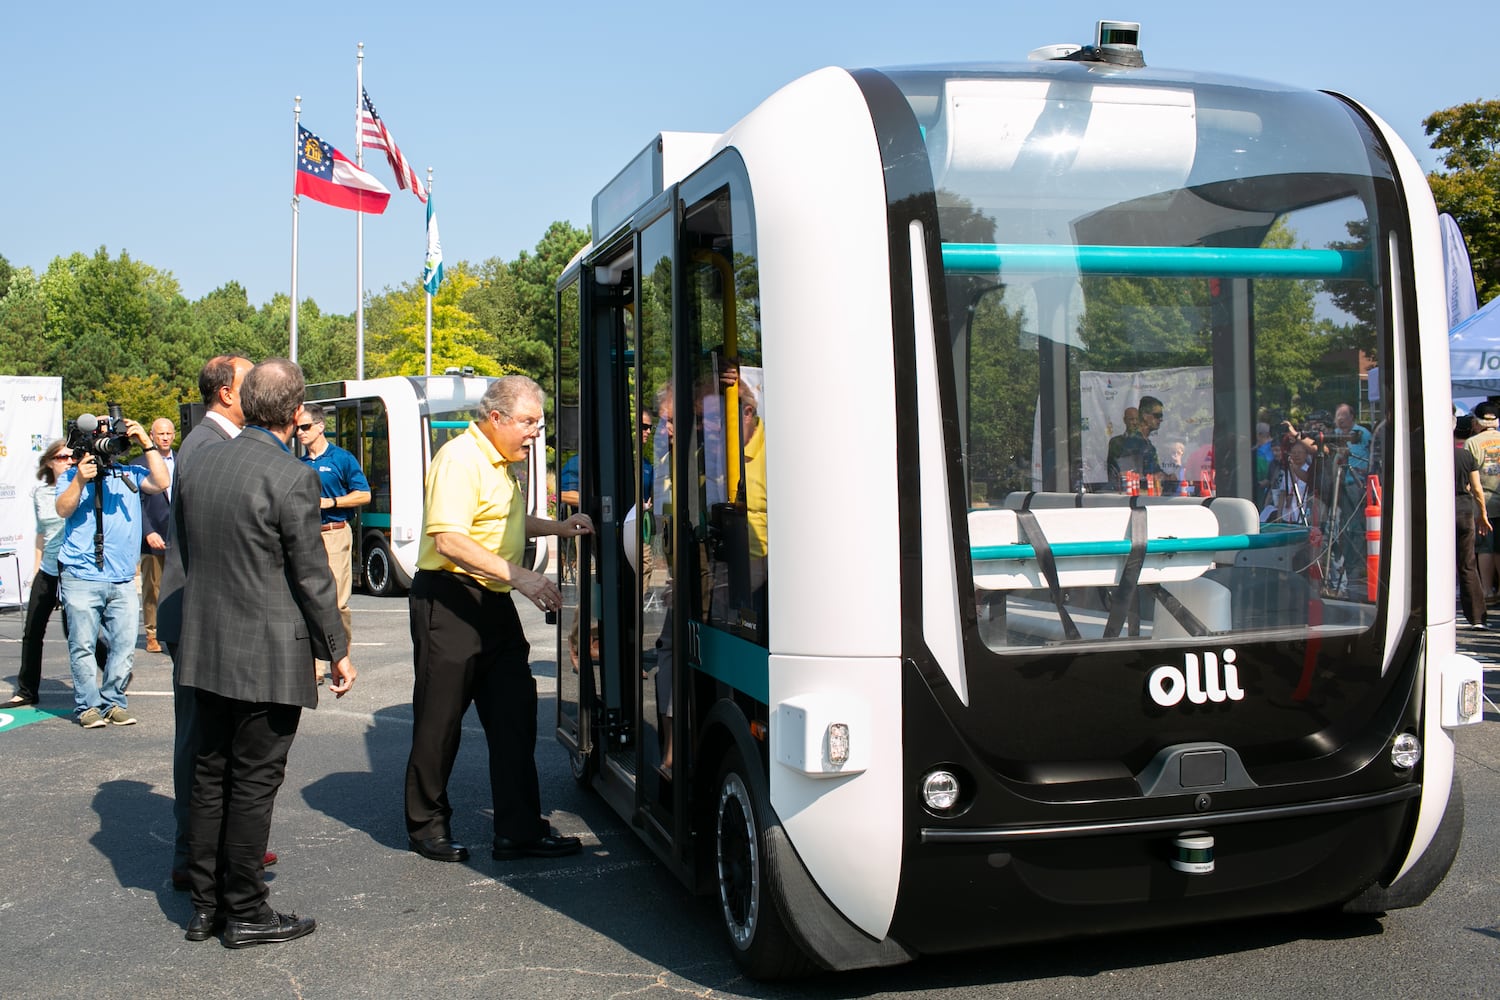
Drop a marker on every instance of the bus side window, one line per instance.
(729, 511)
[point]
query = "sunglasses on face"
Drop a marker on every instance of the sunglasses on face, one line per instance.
(304, 427)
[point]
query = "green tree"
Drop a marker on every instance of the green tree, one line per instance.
(326, 347)
(498, 305)
(515, 302)
(458, 341)
(1470, 190)
(23, 325)
(108, 316)
(142, 398)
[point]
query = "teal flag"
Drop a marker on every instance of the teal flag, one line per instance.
(432, 273)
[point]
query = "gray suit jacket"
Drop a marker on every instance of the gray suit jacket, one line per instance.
(260, 599)
(169, 597)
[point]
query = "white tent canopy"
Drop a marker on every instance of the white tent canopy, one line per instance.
(1474, 353)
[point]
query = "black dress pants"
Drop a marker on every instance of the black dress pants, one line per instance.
(1471, 591)
(39, 607)
(468, 647)
(241, 761)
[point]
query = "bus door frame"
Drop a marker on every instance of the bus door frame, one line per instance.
(606, 718)
(609, 480)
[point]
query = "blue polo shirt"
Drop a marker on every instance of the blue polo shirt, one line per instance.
(122, 526)
(340, 474)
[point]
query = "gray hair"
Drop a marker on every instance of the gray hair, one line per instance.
(314, 413)
(272, 392)
(505, 392)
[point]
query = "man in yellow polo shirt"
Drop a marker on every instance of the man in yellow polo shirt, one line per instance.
(467, 641)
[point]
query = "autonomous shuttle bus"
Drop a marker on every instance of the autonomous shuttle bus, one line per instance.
(393, 426)
(974, 564)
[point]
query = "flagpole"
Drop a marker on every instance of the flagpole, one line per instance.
(429, 294)
(296, 123)
(359, 222)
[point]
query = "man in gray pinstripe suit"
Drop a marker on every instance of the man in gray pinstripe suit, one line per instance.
(219, 384)
(258, 605)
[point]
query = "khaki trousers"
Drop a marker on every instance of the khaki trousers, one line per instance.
(340, 545)
(150, 587)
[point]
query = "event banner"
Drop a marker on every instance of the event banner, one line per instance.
(30, 419)
(1187, 427)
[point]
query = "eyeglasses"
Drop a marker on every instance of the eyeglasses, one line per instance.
(525, 423)
(62, 458)
(304, 427)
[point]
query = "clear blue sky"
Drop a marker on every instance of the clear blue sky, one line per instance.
(165, 128)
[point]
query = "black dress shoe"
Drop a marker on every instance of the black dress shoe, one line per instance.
(553, 845)
(283, 927)
(440, 849)
(203, 926)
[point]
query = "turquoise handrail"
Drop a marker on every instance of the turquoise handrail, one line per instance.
(1170, 262)
(1155, 546)
(449, 425)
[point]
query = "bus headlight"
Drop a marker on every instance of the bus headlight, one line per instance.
(940, 790)
(1406, 750)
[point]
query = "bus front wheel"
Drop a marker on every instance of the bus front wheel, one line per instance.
(379, 570)
(1429, 871)
(749, 904)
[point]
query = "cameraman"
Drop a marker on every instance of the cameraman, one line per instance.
(101, 507)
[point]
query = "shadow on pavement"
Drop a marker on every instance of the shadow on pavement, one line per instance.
(128, 811)
(370, 801)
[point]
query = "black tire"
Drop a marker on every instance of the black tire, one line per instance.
(1431, 868)
(379, 568)
(748, 902)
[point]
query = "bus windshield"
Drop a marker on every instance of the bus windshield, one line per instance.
(1162, 294)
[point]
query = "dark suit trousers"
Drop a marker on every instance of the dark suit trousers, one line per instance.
(242, 748)
(184, 759)
(468, 646)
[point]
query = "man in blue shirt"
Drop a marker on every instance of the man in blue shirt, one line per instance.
(101, 508)
(344, 487)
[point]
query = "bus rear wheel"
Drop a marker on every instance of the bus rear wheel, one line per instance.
(379, 570)
(749, 904)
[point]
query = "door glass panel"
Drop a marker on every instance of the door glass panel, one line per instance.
(577, 658)
(650, 424)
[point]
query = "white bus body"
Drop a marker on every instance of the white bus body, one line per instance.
(926, 643)
(393, 426)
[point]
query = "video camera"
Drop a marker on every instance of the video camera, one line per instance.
(103, 437)
(1323, 432)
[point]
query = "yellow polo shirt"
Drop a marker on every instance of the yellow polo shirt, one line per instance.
(471, 490)
(755, 489)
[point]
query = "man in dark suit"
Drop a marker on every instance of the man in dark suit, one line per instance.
(156, 517)
(219, 384)
(258, 605)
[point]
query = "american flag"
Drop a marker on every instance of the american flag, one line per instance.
(374, 135)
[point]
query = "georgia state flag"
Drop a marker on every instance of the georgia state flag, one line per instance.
(324, 174)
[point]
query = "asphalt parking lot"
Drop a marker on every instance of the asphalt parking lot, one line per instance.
(87, 908)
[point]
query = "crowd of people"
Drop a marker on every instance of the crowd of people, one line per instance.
(242, 548)
(1315, 475)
